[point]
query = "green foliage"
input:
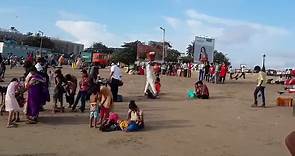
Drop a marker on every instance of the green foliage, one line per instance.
(187, 59)
(190, 49)
(172, 55)
(128, 54)
(219, 57)
(100, 47)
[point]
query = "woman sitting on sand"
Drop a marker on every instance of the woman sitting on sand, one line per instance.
(201, 90)
(135, 118)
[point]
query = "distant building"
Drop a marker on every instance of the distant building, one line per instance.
(10, 47)
(66, 47)
(61, 46)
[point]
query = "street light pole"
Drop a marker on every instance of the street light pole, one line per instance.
(40, 50)
(263, 60)
(163, 43)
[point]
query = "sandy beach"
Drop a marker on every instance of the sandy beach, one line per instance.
(224, 125)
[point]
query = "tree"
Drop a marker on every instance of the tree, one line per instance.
(190, 49)
(100, 47)
(172, 55)
(128, 54)
(219, 57)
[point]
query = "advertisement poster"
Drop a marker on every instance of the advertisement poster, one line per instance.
(204, 49)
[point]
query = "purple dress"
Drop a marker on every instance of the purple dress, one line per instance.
(35, 96)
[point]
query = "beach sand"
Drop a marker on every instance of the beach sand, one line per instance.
(224, 125)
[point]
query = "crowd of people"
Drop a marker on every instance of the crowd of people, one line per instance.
(36, 82)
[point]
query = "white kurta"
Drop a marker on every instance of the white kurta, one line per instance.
(10, 100)
(150, 79)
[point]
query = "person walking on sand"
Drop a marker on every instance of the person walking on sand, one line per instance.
(115, 78)
(223, 71)
(82, 94)
(150, 78)
(261, 82)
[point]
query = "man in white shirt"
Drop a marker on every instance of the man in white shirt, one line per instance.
(243, 70)
(116, 78)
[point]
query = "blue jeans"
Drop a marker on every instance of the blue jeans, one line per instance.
(81, 95)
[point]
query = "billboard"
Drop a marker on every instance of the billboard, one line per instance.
(1, 47)
(203, 49)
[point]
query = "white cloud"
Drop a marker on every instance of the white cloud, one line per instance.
(87, 32)
(243, 41)
(173, 22)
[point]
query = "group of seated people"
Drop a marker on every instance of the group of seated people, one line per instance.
(101, 103)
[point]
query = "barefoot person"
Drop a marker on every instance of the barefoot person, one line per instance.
(35, 84)
(84, 86)
(106, 103)
(261, 82)
(11, 104)
(94, 109)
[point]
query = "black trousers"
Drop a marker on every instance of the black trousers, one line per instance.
(70, 99)
(243, 75)
(261, 89)
(115, 88)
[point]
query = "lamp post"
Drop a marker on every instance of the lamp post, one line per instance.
(41, 36)
(263, 60)
(164, 30)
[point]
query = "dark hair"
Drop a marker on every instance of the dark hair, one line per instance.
(204, 49)
(14, 79)
(33, 69)
(132, 105)
(157, 79)
(58, 72)
(84, 71)
(199, 82)
(68, 77)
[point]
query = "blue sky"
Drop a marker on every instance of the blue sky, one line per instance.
(244, 29)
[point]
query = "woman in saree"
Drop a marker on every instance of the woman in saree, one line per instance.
(35, 84)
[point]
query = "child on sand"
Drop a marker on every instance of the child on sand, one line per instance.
(94, 109)
(135, 118)
(11, 104)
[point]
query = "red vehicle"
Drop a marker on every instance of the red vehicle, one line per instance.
(93, 56)
(101, 59)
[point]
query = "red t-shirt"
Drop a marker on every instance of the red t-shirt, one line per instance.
(212, 70)
(223, 71)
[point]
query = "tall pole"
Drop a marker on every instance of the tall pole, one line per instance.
(263, 60)
(163, 57)
(40, 50)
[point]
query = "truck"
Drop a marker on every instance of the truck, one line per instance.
(90, 56)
